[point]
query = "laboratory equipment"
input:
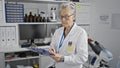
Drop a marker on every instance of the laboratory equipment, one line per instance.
(118, 63)
(101, 56)
(53, 15)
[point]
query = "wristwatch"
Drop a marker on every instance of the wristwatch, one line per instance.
(61, 59)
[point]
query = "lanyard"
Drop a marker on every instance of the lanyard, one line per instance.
(61, 41)
(62, 38)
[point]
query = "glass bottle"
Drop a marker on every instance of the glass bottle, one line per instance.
(26, 18)
(44, 20)
(48, 20)
(35, 18)
(30, 17)
(38, 18)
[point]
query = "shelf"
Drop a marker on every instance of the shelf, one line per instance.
(33, 23)
(23, 49)
(17, 59)
(37, 1)
(40, 23)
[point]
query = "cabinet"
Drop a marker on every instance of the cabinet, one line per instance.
(21, 57)
(32, 9)
(36, 7)
(24, 58)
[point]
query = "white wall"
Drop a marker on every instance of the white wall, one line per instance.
(102, 32)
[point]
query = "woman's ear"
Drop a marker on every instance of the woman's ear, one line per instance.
(74, 16)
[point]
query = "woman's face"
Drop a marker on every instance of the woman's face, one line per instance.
(67, 17)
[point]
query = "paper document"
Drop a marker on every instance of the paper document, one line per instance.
(41, 51)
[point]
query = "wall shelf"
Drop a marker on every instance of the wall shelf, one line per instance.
(26, 58)
(37, 1)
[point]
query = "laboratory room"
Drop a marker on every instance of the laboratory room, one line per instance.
(59, 34)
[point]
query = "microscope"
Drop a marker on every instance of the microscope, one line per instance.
(100, 57)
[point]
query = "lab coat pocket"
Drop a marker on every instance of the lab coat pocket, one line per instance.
(70, 48)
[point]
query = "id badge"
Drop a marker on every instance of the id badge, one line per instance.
(70, 47)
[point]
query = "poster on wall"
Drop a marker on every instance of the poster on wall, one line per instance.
(104, 18)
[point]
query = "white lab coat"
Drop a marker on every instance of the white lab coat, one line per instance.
(77, 56)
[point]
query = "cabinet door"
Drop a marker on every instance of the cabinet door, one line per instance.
(2, 59)
(45, 61)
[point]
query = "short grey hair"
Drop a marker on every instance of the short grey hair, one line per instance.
(69, 5)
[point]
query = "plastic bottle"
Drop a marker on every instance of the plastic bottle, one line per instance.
(118, 64)
(8, 66)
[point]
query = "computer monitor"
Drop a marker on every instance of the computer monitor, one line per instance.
(32, 31)
(38, 34)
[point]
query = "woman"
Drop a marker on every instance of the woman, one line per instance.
(69, 43)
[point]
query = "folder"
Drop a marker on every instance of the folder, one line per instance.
(13, 36)
(41, 51)
(3, 37)
(0, 38)
(8, 38)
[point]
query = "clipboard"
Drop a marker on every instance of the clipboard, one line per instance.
(41, 51)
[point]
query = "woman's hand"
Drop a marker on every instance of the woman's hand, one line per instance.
(52, 50)
(56, 56)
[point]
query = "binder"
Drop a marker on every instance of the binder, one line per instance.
(3, 37)
(13, 35)
(8, 38)
(0, 38)
(0, 14)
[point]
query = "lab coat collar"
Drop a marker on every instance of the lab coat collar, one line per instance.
(70, 29)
